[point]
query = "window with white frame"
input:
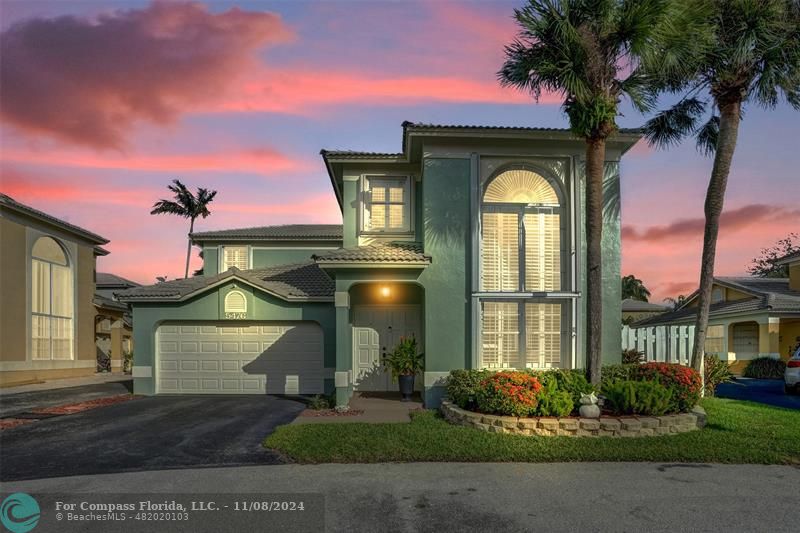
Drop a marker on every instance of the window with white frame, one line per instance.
(52, 301)
(715, 337)
(717, 295)
(521, 252)
(387, 204)
(235, 256)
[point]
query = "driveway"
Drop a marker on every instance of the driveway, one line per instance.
(768, 391)
(152, 433)
(14, 404)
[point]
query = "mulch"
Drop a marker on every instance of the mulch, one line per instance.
(8, 423)
(71, 408)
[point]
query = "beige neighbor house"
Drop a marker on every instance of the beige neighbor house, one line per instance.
(635, 310)
(113, 323)
(47, 316)
(750, 317)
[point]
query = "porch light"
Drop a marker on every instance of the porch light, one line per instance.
(386, 291)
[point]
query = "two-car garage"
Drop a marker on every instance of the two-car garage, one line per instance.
(240, 358)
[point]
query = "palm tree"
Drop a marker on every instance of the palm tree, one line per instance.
(186, 205)
(633, 287)
(588, 52)
(744, 51)
(676, 302)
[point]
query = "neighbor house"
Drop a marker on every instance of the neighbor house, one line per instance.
(636, 310)
(470, 239)
(749, 317)
(47, 268)
(114, 322)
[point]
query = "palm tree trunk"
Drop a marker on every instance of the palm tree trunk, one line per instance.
(595, 163)
(189, 248)
(715, 197)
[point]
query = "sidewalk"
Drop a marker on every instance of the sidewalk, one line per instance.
(54, 384)
(376, 407)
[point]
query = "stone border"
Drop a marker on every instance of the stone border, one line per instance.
(607, 426)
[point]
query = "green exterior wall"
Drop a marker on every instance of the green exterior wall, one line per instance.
(447, 239)
(209, 307)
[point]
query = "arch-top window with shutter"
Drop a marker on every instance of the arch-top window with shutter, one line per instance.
(235, 302)
(521, 253)
(52, 301)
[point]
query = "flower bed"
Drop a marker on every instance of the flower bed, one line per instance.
(606, 426)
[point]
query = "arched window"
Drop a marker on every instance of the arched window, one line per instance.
(52, 301)
(235, 302)
(521, 252)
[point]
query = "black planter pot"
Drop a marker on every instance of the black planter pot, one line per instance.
(406, 387)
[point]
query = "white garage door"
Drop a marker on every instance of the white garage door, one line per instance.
(272, 358)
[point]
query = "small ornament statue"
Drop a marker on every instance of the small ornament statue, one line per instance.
(589, 407)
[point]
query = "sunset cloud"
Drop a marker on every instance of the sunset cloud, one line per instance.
(88, 81)
(733, 219)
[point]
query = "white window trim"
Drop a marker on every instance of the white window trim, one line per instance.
(221, 256)
(408, 211)
(244, 299)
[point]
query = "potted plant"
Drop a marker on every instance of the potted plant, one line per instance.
(405, 361)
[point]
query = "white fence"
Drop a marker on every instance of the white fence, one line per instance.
(670, 344)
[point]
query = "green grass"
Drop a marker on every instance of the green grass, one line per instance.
(737, 432)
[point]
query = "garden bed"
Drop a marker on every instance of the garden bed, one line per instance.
(605, 426)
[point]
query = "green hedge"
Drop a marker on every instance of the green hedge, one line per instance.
(765, 368)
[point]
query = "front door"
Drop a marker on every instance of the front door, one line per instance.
(376, 331)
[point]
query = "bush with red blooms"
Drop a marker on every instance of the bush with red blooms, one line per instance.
(683, 381)
(509, 394)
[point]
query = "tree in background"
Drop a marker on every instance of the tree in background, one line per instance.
(588, 52)
(186, 205)
(633, 288)
(763, 266)
(677, 301)
(739, 52)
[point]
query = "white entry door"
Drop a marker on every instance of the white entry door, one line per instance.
(377, 330)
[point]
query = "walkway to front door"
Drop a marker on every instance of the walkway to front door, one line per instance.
(376, 331)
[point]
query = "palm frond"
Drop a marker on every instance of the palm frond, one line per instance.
(169, 207)
(670, 126)
(707, 136)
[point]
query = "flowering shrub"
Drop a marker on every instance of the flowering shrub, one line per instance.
(509, 393)
(684, 382)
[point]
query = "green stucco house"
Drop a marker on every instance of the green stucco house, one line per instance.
(470, 238)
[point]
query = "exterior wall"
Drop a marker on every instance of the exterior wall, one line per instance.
(263, 255)
(209, 306)
(789, 336)
(612, 266)
(17, 235)
(794, 277)
(447, 239)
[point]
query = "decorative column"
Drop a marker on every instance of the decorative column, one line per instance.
(344, 348)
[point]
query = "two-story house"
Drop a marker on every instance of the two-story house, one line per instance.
(470, 238)
(47, 320)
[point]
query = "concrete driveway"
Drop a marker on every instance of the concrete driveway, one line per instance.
(153, 433)
(768, 391)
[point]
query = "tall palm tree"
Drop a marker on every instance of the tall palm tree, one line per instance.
(588, 52)
(186, 205)
(745, 51)
(633, 287)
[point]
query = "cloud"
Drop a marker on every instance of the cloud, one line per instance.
(90, 81)
(733, 219)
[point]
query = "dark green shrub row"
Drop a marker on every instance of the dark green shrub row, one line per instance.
(649, 398)
(765, 368)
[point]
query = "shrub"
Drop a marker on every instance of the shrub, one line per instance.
(765, 368)
(632, 357)
(684, 382)
(509, 393)
(573, 382)
(716, 372)
(612, 373)
(319, 402)
(462, 387)
(127, 362)
(649, 398)
(554, 401)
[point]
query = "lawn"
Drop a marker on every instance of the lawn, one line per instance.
(737, 432)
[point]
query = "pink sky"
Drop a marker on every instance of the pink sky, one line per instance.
(115, 99)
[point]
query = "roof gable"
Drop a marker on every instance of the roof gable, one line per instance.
(281, 233)
(6, 202)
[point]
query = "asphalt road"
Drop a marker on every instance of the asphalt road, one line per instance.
(14, 404)
(153, 433)
(443, 497)
(768, 391)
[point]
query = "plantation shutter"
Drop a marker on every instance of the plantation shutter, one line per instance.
(542, 335)
(500, 335)
(387, 206)
(235, 256)
(542, 252)
(500, 252)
